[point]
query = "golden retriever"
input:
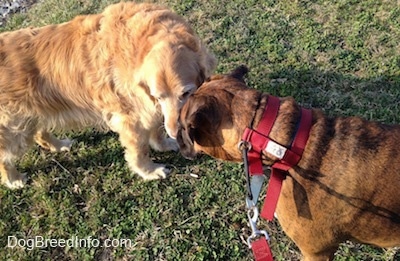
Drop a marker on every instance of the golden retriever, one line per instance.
(127, 69)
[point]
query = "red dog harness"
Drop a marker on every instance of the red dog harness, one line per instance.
(258, 141)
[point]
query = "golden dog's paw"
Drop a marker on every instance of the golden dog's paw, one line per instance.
(62, 145)
(166, 144)
(171, 144)
(160, 172)
(17, 183)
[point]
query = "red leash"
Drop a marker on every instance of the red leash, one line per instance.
(257, 142)
(261, 250)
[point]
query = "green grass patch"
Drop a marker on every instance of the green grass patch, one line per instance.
(340, 56)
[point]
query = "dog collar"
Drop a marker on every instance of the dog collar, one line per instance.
(256, 142)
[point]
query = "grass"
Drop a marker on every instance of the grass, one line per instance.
(342, 56)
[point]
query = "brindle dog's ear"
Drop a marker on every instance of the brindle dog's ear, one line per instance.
(185, 139)
(204, 121)
(200, 124)
(239, 72)
(206, 118)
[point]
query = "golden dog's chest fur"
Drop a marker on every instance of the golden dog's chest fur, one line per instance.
(346, 185)
(128, 69)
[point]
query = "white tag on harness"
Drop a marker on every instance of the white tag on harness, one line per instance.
(275, 149)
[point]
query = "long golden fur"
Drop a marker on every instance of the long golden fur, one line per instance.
(127, 69)
(346, 185)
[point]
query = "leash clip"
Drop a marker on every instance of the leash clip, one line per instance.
(252, 215)
(256, 184)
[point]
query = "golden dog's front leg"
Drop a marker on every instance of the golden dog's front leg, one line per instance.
(137, 156)
(135, 138)
(48, 141)
(161, 142)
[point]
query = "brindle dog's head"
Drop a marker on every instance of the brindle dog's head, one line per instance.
(215, 116)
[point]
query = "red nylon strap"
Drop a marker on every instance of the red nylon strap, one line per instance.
(261, 250)
(269, 116)
(253, 157)
(300, 140)
(255, 137)
(273, 192)
(279, 168)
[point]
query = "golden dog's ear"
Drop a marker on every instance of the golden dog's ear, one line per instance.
(239, 73)
(208, 62)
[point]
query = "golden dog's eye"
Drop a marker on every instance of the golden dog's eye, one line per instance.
(184, 96)
(159, 97)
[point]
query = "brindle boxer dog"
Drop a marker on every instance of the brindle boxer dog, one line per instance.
(346, 185)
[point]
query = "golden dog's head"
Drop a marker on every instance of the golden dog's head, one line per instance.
(162, 53)
(172, 74)
(213, 119)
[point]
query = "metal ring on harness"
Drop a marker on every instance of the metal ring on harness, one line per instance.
(244, 145)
